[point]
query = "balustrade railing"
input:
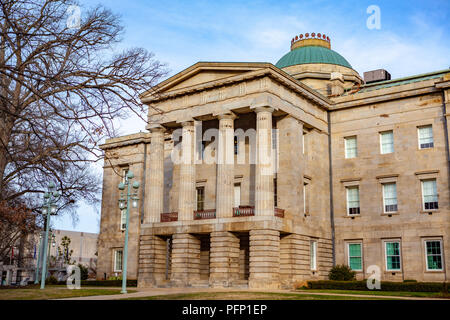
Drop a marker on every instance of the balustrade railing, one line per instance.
(243, 211)
(279, 212)
(205, 214)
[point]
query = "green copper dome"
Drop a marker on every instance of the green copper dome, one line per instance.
(312, 54)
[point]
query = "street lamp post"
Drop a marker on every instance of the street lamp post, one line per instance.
(38, 264)
(124, 203)
(49, 208)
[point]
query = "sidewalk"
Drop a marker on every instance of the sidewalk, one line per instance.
(147, 292)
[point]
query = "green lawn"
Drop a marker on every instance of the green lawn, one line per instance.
(250, 296)
(54, 292)
(382, 293)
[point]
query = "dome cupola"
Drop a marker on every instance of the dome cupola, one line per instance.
(312, 61)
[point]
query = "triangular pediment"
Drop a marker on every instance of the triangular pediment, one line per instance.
(203, 72)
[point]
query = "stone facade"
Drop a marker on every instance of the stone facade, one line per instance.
(243, 177)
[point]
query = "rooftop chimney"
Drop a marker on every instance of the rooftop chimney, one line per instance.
(376, 75)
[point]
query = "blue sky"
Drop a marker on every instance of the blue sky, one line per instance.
(413, 38)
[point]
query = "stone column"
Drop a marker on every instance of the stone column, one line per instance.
(225, 166)
(152, 260)
(185, 259)
(264, 204)
(156, 180)
(223, 259)
(264, 259)
(186, 196)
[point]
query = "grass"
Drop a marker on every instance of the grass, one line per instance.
(53, 292)
(382, 293)
(250, 296)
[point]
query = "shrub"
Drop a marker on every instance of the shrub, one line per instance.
(84, 272)
(385, 286)
(51, 280)
(342, 273)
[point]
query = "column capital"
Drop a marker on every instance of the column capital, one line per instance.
(187, 123)
(156, 128)
(225, 115)
(259, 109)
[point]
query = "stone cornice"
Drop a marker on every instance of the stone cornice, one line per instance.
(268, 70)
(137, 138)
(386, 94)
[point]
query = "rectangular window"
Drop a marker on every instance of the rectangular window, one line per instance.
(237, 195)
(390, 197)
(303, 141)
(429, 195)
(236, 146)
(313, 257)
(118, 254)
(434, 254)
(351, 149)
(123, 219)
(387, 142)
(425, 137)
(275, 193)
(305, 198)
(353, 200)
(392, 250)
(200, 198)
(355, 256)
(124, 175)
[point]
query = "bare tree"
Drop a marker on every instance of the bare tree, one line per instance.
(61, 87)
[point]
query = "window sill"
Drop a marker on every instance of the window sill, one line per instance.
(429, 211)
(434, 271)
(393, 213)
(352, 216)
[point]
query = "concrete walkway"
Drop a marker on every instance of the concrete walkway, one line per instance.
(148, 292)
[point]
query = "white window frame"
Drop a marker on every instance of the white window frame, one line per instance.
(362, 254)
(386, 255)
(345, 147)
(384, 199)
(237, 186)
(124, 174)
(123, 215)
(347, 202)
(423, 196)
(303, 140)
(381, 142)
(418, 136)
(115, 260)
(313, 255)
(426, 255)
(196, 196)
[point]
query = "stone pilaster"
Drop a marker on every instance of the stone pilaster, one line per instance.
(156, 180)
(224, 259)
(324, 257)
(291, 166)
(225, 166)
(185, 259)
(264, 259)
(294, 259)
(186, 196)
(264, 204)
(152, 260)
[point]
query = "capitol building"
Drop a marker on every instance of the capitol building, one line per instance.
(261, 175)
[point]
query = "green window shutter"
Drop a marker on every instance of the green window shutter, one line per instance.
(355, 257)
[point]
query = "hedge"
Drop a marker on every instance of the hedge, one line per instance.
(385, 286)
(104, 283)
